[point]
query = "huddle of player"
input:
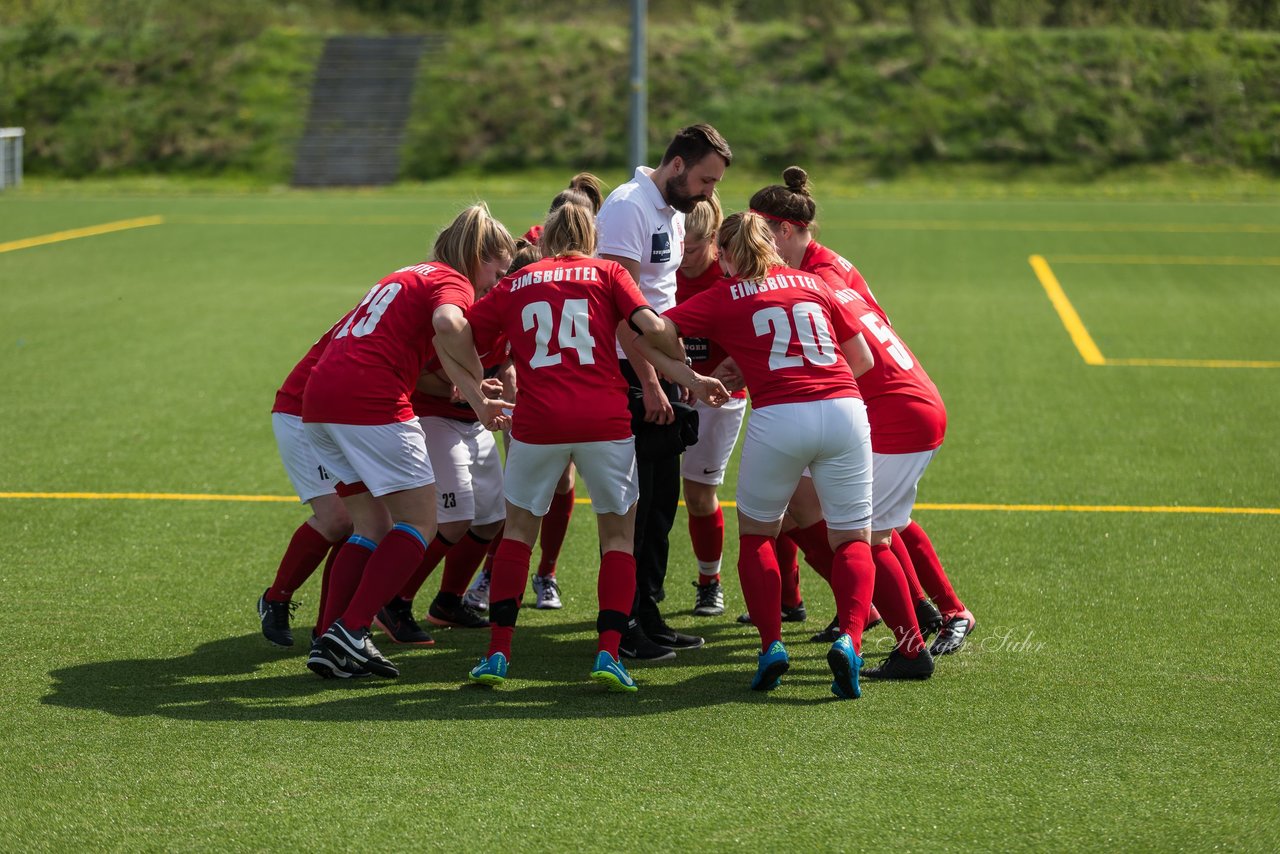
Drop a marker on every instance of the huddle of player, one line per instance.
(385, 430)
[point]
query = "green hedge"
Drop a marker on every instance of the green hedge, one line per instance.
(194, 102)
(557, 96)
(204, 100)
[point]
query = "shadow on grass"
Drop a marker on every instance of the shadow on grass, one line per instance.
(238, 678)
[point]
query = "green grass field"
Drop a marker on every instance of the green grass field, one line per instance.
(1120, 691)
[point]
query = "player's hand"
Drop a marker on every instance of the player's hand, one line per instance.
(492, 387)
(492, 416)
(728, 373)
(710, 391)
(686, 395)
(657, 409)
(456, 396)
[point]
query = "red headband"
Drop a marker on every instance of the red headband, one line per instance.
(794, 222)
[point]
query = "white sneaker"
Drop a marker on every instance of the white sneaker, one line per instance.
(547, 592)
(477, 595)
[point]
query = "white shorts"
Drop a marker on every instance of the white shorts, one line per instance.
(309, 478)
(468, 470)
(608, 469)
(718, 431)
(831, 437)
(893, 492)
(385, 457)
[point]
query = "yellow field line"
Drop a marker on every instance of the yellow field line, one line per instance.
(998, 508)
(1161, 260)
(1066, 312)
(147, 496)
(1191, 363)
(75, 233)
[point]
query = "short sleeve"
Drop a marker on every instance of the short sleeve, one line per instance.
(626, 293)
(623, 231)
(842, 323)
(695, 317)
(485, 317)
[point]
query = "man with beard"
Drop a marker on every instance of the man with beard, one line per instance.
(641, 226)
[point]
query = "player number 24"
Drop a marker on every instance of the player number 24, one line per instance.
(575, 332)
(810, 326)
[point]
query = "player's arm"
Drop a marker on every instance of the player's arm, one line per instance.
(456, 348)
(857, 354)
(434, 384)
(658, 340)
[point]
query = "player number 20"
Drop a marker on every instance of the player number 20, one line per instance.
(574, 334)
(810, 327)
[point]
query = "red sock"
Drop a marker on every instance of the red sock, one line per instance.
(393, 561)
(893, 600)
(908, 568)
(554, 526)
(344, 577)
(438, 548)
(853, 577)
(306, 549)
(816, 547)
(761, 586)
(616, 591)
(493, 550)
(788, 563)
(506, 589)
(324, 585)
(929, 568)
(461, 563)
(707, 535)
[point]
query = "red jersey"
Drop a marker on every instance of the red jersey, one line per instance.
(533, 235)
(903, 404)
(561, 316)
(839, 273)
(429, 404)
(373, 361)
(289, 396)
(704, 354)
(783, 330)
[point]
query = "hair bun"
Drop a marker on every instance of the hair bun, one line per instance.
(796, 179)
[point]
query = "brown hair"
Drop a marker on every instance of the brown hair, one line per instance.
(473, 238)
(526, 254)
(570, 229)
(695, 142)
(703, 222)
(591, 187)
(570, 195)
(746, 241)
(789, 201)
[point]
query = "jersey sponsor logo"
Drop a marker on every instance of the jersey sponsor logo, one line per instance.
(660, 253)
(697, 349)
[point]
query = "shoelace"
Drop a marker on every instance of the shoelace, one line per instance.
(282, 611)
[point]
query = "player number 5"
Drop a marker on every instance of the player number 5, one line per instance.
(885, 335)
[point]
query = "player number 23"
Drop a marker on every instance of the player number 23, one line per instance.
(810, 327)
(575, 332)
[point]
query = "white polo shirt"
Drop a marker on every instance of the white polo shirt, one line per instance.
(635, 222)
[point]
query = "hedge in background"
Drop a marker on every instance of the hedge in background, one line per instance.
(193, 101)
(539, 95)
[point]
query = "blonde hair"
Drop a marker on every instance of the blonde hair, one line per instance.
(703, 222)
(473, 238)
(571, 228)
(746, 241)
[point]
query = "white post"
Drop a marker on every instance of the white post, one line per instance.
(11, 157)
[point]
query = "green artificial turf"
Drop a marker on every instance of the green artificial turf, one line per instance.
(1120, 690)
